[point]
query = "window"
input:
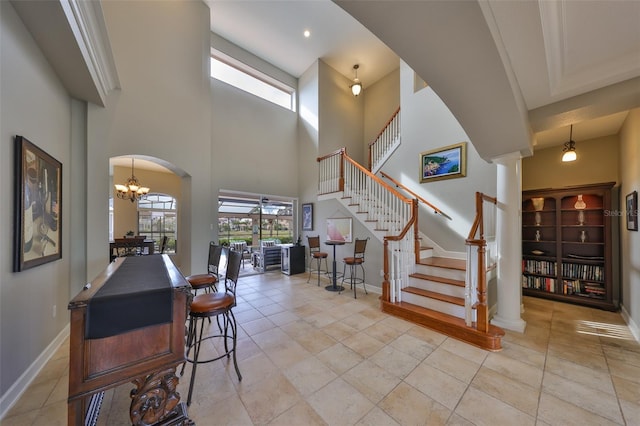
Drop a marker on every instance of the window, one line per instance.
(157, 218)
(243, 77)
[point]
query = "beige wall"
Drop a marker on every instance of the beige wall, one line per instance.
(630, 240)
(597, 162)
(125, 213)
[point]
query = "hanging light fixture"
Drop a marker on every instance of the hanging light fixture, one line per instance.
(132, 190)
(356, 87)
(569, 149)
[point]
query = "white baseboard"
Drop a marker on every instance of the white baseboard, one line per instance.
(633, 327)
(20, 386)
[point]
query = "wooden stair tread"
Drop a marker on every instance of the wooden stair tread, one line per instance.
(446, 324)
(443, 280)
(433, 295)
(445, 262)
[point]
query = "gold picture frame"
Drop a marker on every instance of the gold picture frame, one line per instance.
(448, 162)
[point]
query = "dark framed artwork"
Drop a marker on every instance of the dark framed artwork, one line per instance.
(632, 211)
(307, 217)
(37, 206)
(443, 163)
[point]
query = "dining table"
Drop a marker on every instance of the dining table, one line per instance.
(334, 286)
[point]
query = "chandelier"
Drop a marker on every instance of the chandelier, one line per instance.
(132, 190)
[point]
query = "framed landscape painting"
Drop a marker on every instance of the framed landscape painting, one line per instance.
(37, 206)
(443, 163)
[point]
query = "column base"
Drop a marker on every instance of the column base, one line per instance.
(514, 325)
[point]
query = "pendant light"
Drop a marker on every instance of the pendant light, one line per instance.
(356, 87)
(569, 149)
(132, 190)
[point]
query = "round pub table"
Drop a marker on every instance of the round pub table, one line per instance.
(333, 286)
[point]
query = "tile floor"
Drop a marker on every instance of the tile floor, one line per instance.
(313, 357)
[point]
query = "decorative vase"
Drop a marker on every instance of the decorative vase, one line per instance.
(538, 203)
(583, 236)
(538, 218)
(580, 205)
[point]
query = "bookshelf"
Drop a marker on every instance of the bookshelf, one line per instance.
(567, 245)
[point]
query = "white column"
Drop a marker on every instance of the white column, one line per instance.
(509, 242)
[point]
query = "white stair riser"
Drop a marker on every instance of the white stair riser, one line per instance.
(437, 287)
(433, 304)
(426, 253)
(454, 274)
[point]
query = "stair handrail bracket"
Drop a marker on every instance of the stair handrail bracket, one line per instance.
(476, 306)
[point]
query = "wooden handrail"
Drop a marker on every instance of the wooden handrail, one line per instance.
(331, 154)
(385, 127)
(478, 221)
(377, 179)
(422, 200)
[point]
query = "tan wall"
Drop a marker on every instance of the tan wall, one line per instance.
(597, 162)
(125, 216)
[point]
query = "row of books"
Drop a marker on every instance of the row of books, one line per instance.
(584, 272)
(539, 283)
(544, 267)
(571, 287)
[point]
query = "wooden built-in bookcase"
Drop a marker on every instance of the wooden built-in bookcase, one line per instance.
(567, 245)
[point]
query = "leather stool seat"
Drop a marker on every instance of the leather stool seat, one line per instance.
(211, 304)
(202, 282)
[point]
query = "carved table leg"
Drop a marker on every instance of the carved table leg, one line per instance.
(155, 401)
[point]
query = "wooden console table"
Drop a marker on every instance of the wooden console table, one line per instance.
(128, 325)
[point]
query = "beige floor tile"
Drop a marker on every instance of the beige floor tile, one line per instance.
(579, 355)
(555, 411)
(413, 346)
(339, 331)
(315, 341)
(587, 398)
(257, 326)
(371, 380)
(625, 370)
(339, 403)
(631, 412)
(512, 392)
(382, 332)
(359, 321)
(309, 375)
(593, 378)
(300, 414)
(394, 361)
(23, 419)
(626, 389)
(454, 365)
(363, 344)
(465, 350)
(340, 358)
(226, 412)
(377, 417)
(52, 415)
(431, 337)
(34, 398)
(514, 369)
(483, 409)
(283, 318)
(424, 410)
(622, 354)
(457, 420)
(273, 308)
(524, 354)
(436, 384)
(53, 369)
(263, 404)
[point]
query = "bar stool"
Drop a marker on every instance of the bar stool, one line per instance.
(208, 305)
(316, 255)
(207, 282)
(357, 260)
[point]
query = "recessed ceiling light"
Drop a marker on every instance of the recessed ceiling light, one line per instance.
(307, 33)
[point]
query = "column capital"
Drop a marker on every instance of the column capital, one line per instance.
(507, 158)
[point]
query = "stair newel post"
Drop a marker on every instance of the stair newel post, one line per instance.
(481, 310)
(416, 230)
(385, 263)
(343, 151)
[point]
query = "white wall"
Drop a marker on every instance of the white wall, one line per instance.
(428, 124)
(630, 240)
(34, 104)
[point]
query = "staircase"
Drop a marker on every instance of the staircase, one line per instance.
(422, 283)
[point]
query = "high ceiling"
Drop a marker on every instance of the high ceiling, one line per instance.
(557, 50)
